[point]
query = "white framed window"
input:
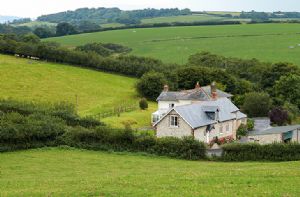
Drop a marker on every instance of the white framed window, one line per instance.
(221, 130)
(174, 121)
(227, 128)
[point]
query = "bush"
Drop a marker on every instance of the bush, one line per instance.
(257, 152)
(279, 116)
(242, 131)
(143, 104)
(250, 124)
(27, 125)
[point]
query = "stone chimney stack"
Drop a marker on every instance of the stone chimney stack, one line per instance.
(166, 88)
(197, 86)
(213, 90)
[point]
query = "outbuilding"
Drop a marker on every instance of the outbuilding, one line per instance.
(276, 134)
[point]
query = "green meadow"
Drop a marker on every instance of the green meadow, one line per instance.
(38, 81)
(72, 172)
(184, 18)
(267, 42)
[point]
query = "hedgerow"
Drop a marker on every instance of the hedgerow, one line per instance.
(257, 152)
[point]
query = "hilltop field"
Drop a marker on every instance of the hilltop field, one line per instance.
(49, 82)
(267, 42)
(72, 172)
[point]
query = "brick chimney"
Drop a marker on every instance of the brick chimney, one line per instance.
(166, 88)
(213, 90)
(197, 86)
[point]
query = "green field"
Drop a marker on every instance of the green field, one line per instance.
(34, 24)
(30, 80)
(187, 18)
(267, 42)
(62, 172)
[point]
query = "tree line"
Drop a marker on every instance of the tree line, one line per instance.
(274, 87)
(110, 15)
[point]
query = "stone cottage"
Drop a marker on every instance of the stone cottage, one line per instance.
(203, 112)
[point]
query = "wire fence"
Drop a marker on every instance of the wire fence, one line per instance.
(116, 111)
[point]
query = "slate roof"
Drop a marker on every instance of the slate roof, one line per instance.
(241, 115)
(196, 114)
(197, 94)
(275, 130)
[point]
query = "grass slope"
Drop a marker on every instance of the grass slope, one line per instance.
(34, 24)
(24, 79)
(186, 18)
(61, 172)
(268, 42)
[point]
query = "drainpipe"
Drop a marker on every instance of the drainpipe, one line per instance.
(193, 133)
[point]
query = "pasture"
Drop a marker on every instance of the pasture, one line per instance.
(37, 81)
(267, 42)
(183, 18)
(73, 172)
(34, 24)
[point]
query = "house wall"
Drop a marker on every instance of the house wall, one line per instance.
(296, 136)
(225, 133)
(165, 105)
(200, 134)
(266, 139)
(163, 128)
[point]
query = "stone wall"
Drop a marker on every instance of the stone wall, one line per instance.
(163, 128)
(266, 139)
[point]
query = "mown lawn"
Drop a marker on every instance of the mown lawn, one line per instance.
(62, 172)
(267, 42)
(24, 79)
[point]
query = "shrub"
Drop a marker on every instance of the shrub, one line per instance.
(257, 152)
(250, 124)
(242, 131)
(279, 116)
(143, 104)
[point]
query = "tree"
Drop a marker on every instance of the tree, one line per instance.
(188, 76)
(32, 38)
(270, 76)
(143, 104)
(151, 85)
(85, 26)
(279, 116)
(43, 32)
(256, 104)
(63, 29)
(288, 88)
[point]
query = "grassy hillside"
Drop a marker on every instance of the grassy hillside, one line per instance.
(24, 79)
(268, 42)
(37, 24)
(185, 18)
(89, 173)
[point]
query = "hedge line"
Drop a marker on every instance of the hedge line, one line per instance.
(104, 138)
(26, 125)
(257, 152)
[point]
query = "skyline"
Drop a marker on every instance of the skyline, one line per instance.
(43, 7)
